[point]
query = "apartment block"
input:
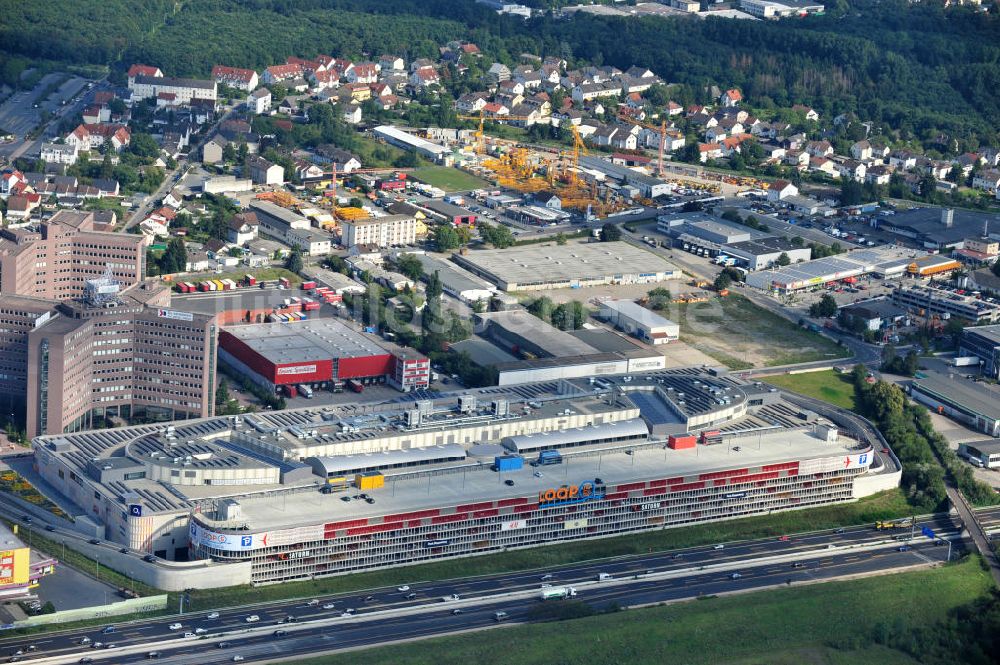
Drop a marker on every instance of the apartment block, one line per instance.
(389, 231)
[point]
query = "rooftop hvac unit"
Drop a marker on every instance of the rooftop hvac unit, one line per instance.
(426, 407)
(467, 403)
(413, 418)
(500, 407)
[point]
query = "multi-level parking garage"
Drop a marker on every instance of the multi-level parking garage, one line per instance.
(325, 491)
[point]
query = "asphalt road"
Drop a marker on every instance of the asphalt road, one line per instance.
(819, 552)
(303, 639)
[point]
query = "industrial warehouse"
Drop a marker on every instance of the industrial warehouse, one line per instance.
(314, 492)
(316, 352)
(537, 268)
(884, 262)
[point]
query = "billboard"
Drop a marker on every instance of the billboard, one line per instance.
(177, 316)
(513, 525)
(567, 494)
(227, 542)
(14, 566)
(296, 369)
(828, 464)
(244, 542)
(575, 524)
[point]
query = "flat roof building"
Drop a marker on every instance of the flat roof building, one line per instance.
(388, 231)
(937, 228)
(975, 404)
(397, 137)
(929, 300)
(705, 227)
(527, 336)
(574, 265)
(456, 281)
(636, 320)
(119, 355)
(232, 480)
(984, 343)
(765, 252)
(53, 258)
(884, 261)
(290, 228)
(313, 352)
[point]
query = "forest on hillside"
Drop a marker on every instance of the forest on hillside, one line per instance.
(916, 68)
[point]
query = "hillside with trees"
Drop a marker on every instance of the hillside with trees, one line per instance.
(921, 70)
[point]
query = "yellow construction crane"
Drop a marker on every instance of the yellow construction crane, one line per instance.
(481, 119)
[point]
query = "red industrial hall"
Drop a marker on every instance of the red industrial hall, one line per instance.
(311, 352)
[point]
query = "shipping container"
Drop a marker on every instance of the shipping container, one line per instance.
(371, 480)
(308, 285)
(249, 280)
(547, 457)
(508, 463)
(355, 386)
(289, 390)
(684, 442)
(284, 282)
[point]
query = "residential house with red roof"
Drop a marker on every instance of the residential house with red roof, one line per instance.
(234, 77)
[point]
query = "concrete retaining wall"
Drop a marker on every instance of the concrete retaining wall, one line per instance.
(130, 606)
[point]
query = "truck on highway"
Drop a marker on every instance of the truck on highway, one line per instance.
(883, 525)
(558, 593)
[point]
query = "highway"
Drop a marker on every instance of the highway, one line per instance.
(678, 574)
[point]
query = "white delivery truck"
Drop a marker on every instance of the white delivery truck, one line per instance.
(558, 593)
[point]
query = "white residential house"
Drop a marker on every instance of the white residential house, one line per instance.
(264, 172)
(391, 63)
(707, 151)
(243, 228)
(781, 189)
(234, 77)
(259, 101)
(352, 114)
(852, 169)
(56, 153)
(471, 102)
(862, 151)
(988, 181)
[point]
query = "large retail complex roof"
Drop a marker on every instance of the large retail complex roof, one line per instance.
(294, 445)
(459, 488)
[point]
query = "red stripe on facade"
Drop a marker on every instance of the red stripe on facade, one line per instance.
(475, 506)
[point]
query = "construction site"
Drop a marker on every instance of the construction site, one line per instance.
(591, 185)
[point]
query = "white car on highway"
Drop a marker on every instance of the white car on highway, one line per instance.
(212, 615)
(175, 626)
(253, 618)
(328, 606)
(403, 588)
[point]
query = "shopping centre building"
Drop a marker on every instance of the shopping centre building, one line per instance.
(329, 490)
